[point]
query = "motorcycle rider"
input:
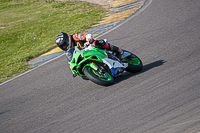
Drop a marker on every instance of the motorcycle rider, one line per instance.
(68, 42)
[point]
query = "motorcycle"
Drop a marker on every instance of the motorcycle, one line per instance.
(101, 66)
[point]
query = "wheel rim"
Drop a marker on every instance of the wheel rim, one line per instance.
(103, 76)
(134, 61)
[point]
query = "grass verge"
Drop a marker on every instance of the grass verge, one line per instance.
(29, 28)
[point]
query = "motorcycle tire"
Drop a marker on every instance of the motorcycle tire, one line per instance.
(134, 64)
(104, 79)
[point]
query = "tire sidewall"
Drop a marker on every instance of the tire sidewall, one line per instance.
(134, 68)
(95, 79)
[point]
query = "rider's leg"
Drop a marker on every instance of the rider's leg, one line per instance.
(104, 45)
(119, 52)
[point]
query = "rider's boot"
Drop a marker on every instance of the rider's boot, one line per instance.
(119, 52)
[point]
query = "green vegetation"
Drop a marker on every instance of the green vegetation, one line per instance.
(29, 29)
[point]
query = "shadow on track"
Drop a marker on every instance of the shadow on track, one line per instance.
(4, 112)
(152, 65)
(147, 67)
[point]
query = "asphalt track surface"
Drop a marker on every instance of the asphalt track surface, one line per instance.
(163, 98)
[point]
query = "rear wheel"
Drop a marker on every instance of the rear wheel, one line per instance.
(134, 64)
(100, 76)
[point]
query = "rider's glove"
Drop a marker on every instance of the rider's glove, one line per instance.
(91, 41)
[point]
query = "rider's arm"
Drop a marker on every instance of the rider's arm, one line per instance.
(82, 37)
(89, 37)
(69, 53)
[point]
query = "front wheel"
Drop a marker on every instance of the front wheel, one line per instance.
(98, 77)
(134, 64)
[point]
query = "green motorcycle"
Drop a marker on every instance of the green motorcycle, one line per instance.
(101, 66)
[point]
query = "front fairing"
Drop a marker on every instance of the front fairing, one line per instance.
(82, 58)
